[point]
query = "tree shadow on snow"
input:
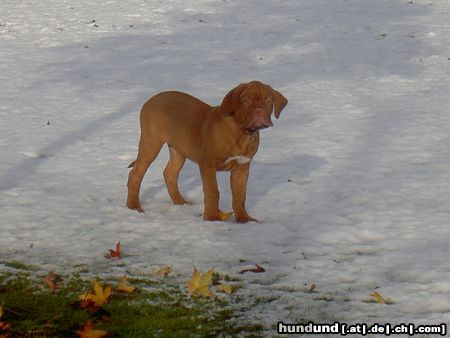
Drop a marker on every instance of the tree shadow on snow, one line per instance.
(208, 53)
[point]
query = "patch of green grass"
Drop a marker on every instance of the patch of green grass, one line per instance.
(217, 277)
(162, 310)
(32, 311)
(19, 265)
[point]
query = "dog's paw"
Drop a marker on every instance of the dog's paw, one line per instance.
(182, 202)
(137, 208)
(245, 219)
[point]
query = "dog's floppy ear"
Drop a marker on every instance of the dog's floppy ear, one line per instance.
(279, 102)
(231, 101)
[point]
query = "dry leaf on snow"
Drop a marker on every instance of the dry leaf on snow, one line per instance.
(378, 298)
(164, 270)
(225, 215)
(124, 286)
(114, 254)
(224, 288)
(199, 283)
(252, 268)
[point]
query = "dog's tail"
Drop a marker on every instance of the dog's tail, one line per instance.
(132, 164)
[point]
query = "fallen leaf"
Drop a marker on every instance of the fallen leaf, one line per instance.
(252, 268)
(224, 288)
(98, 298)
(3, 326)
(309, 288)
(114, 254)
(199, 283)
(164, 270)
(124, 286)
(89, 331)
(378, 298)
(225, 216)
(50, 280)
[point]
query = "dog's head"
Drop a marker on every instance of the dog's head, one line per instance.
(251, 104)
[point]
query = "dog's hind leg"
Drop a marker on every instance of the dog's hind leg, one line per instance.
(176, 162)
(148, 150)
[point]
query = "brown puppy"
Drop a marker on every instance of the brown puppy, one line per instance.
(219, 138)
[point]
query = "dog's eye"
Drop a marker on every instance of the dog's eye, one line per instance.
(268, 100)
(247, 101)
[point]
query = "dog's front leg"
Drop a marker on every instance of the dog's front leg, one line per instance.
(238, 180)
(211, 193)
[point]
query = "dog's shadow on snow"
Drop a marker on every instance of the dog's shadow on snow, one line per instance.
(265, 179)
(154, 191)
(272, 182)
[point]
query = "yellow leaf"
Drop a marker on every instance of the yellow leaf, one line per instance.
(199, 283)
(225, 216)
(89, 331)
(378, 298)
(50, 280)
(123, 285)
(100, 295)
(225, 288)
(164, 271)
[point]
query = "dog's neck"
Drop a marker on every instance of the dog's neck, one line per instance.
(242, 134)
(247, 137)
(250, 132)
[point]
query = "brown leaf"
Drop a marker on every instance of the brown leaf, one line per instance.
(114, 254)
(252, 268)
(50, 280)
(164, 270)
(90, 332)
(3, 326)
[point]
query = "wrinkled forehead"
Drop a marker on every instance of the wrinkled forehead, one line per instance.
(256, 90)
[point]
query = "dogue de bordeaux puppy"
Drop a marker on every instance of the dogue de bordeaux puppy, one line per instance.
(222, 138)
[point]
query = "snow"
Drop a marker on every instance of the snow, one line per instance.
(350, 186)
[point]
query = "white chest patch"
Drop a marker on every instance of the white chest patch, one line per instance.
(239, 159)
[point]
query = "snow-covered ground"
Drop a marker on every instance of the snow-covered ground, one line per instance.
(351, 186)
